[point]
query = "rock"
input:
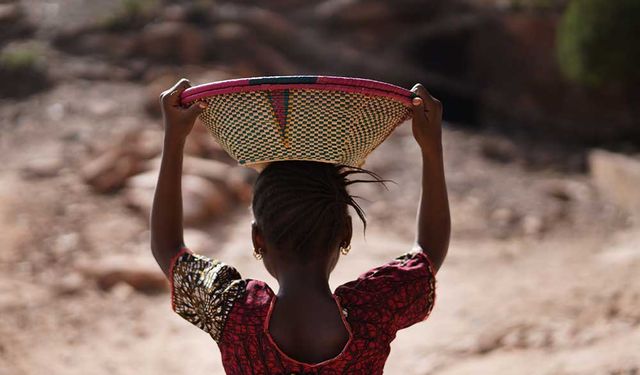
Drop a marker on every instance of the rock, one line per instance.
(267, 25)
(146, 144)
(65, 243)
(241, 182)
(210, 74)
(110, 170)
(153, 91)
(145, 180)
(139, 190)
(560, 193)
(270, 26)
(139, 199)
(95, 69)
(229, 32)
(201, 143)
(499, 150)
(236, 181)
(13, 22)
(623, 249)
(212, 170)
(171, 41)
(617, 178)
(70, 284)
(56, 111)
(532, 225)
(353, 12)
(198, 241)
(123, 159)
(489, 341)
(272, 61)
(43, 167)
(10, 13)
(243, 45)
(122, 291)
(568, 191)
(142, 276)
(86, 41)
(201, 198)
(503, 221)
(174, 13)
(102, 107)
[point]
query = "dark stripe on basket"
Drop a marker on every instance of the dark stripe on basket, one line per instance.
(283, 80)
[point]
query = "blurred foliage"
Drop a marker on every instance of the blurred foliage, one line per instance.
(22, 70)
(598, 41)
(131, 14)
(22, 58)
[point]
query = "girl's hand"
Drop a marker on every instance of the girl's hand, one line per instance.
(178, 120)
(427, 120)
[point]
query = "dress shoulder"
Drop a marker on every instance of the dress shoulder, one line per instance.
(204, 291)
(394, 295)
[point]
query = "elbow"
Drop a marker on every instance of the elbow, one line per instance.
(436, 246)
(436, 253)
(155, 250)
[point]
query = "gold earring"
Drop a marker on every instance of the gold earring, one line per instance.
(345, 250)
(257, 254)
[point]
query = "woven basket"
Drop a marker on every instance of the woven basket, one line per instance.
(325, 119)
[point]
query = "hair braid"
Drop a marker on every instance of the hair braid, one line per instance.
(301, 206)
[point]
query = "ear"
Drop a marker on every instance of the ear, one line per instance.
(256, 236)
(348, 231)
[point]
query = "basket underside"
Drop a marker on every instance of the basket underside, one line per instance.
(301, 123)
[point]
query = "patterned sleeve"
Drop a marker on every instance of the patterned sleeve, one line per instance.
(203, 291)
(397, 294)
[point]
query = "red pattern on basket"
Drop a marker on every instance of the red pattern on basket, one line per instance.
(280, 104)
(375, 306)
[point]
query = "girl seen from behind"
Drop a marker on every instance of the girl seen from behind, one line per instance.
(301, 228)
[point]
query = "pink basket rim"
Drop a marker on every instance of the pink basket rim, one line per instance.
(331, 83)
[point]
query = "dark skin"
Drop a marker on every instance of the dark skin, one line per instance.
(306, 322)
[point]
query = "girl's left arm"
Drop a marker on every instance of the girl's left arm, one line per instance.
(166, 212)
(433, 219)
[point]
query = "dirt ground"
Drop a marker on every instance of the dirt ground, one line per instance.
(541, 277)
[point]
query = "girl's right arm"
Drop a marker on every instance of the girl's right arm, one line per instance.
(166, 212)
(433, 219)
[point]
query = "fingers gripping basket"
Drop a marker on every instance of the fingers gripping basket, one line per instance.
(326, 119)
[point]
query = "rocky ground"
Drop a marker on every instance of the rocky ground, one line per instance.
(541, 276)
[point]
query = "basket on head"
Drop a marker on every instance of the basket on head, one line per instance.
(319, 118)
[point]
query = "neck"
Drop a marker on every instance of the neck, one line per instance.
(299, 281)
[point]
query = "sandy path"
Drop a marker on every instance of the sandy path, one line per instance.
(487, 291)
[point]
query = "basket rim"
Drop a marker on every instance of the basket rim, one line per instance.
(308, 82)
(262, 164)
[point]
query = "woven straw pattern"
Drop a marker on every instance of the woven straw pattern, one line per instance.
(301, 124)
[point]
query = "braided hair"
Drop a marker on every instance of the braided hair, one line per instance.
(301, 206)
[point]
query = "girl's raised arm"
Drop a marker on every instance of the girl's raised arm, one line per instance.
(434, 220)
(166, 213)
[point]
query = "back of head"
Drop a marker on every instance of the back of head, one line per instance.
(301, 206)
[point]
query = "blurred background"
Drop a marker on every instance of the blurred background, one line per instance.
(542, 141)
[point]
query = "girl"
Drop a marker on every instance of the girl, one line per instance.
(300, 229)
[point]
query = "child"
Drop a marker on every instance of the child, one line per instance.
(300, 229)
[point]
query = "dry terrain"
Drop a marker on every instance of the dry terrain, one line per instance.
(541, 277)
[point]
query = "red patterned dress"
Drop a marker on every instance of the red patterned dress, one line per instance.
(235, 312)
